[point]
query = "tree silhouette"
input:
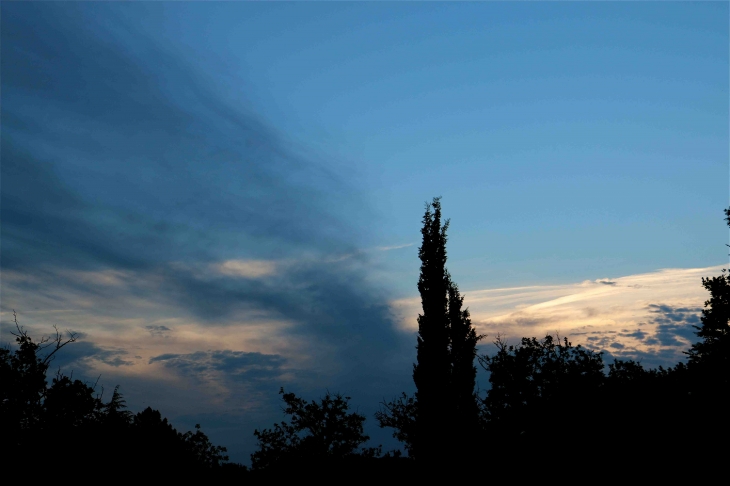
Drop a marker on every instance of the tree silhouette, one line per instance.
(431, 372)
(712, 352)
(23, 377)
(70, 403)
(442, 419)
(538, 381)
(35, 415)
(400, 414)
(462, 352)
(317, 431)
(203, 453)
(709, 358)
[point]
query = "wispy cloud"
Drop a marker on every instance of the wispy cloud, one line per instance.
(247, 268)
(394, 247)
(647, 316)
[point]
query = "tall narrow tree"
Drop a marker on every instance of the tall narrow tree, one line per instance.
(431, 372)
(444, 374)
(462, 351)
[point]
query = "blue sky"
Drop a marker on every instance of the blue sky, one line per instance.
(566, 139)
(238, 188)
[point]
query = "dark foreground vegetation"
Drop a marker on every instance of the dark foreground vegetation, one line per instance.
(553, 410)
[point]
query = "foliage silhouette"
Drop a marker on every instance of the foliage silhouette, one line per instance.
(464, 417)
(548, 400)
(443, 416)
(432, 368)
(316, 431)
(711, 354)
(538, 380)
(34, 416)
(400, 414)
(23, 377)
(708, 384)
(203, 452)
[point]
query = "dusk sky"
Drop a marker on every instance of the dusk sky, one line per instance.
(225, 198)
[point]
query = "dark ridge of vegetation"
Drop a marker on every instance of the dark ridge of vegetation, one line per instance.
(553, 410)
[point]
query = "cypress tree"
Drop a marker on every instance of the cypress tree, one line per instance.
(432, 369)
(463, 341)
(444, 373)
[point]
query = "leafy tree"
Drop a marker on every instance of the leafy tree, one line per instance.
(204, 453)
(538, 381)
(23, 378)
(709, 358)
(34, 415)
(400, 414)
(712, 352)
(316, 431)
(71, 404)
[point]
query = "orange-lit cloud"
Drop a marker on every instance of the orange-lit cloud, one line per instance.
(247, 268)
(645, 316)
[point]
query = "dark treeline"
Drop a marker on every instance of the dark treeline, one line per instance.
(551, 408)
(68, 424)
(552, 405)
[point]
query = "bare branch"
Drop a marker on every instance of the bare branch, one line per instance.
(22, 333)
(59, 343)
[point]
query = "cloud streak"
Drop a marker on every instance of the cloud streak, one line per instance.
(648, 317)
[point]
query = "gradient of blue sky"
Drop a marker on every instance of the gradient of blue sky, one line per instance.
(224, 198)
(568, 139)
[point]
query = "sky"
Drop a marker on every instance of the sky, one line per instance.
(222, 199)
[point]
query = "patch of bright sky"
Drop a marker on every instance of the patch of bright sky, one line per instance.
(569, 141)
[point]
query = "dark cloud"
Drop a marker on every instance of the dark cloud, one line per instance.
(667, 335)
(674, 325)
(116, 154)
(76, 357)
(158, 330)
(236, 365)
(79, 355)
(601, 341)
(640, 335)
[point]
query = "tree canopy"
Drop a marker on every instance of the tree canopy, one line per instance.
(35, 414)
(316, 431)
